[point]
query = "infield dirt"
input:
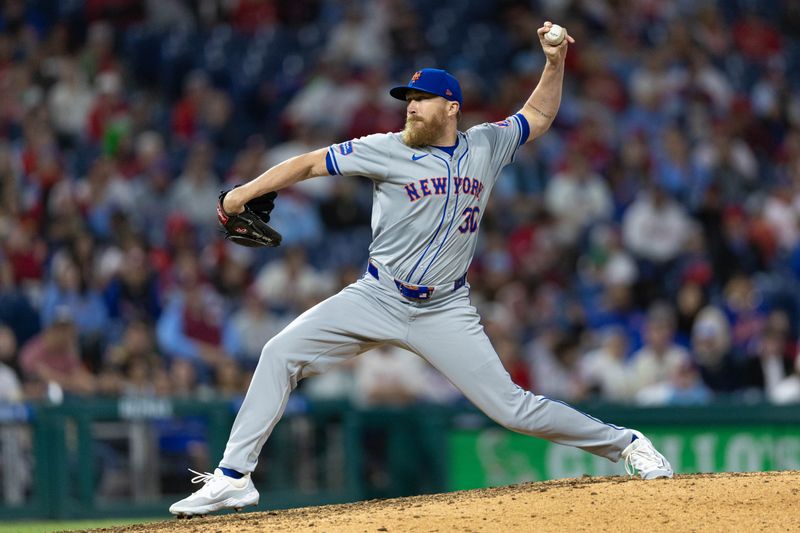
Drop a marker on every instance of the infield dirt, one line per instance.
(698, 502)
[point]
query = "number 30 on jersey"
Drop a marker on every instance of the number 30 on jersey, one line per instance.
(471, 216)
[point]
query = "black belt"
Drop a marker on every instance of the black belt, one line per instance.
(415, 292)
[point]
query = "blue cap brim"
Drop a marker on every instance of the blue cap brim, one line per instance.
(401, 91)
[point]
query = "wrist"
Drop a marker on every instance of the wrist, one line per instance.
(556, 61)
(233, 202)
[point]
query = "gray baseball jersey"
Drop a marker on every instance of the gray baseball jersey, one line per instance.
(427, 207)
(427, 204)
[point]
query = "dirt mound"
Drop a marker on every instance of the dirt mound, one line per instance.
(700, 502)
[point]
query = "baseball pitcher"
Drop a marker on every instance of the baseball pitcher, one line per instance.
(431, 187)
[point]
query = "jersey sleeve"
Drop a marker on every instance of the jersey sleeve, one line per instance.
(503, 137)
(366, 156)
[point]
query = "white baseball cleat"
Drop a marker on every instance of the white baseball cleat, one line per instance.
(640, 455)
(218, 492)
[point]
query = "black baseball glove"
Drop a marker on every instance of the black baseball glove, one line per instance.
(250, 228)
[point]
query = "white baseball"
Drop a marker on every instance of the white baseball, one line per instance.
(555, 35)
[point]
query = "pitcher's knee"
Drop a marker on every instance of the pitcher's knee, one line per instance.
(283, 354)
(276, 352)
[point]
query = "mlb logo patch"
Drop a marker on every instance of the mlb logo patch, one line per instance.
(502, 123)
(346, 148)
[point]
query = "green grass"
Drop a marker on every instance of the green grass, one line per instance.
(47, 526)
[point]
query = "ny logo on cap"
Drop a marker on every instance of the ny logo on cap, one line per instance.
(416, 76)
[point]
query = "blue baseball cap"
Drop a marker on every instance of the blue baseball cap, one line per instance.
(433, 81)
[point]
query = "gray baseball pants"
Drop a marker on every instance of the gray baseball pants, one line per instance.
(444, 330)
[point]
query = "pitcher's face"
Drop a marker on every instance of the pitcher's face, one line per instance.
(426, 117)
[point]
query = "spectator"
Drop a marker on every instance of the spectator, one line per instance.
(711, 346)
(69, 289)
(106, 193)
(228, 380)
(336, 384)
(150, 153)
(743, 305)
(361, 36)
(133, 293)
(651, 86)
(768, 371)
(781, 216)
(689, 301)
(756, 49)
(53, 357)
(391, 376)
(25, 253)
(69, 102)
(98, 56)
(182, 379)
(736, 250)
(606, 262)
(9, 185)
(133, 366)
(16, 309)
(218, 125)
(15, 461)
(373, 114)
(787, 390)
(191, 325)
(231, 271)
(711, 82)
(577, 197)
(684, 387)
(290, 283)
(187, 111)
(660, 359)
(655, 227)
(712, 32)
(604, 369)
(313, 100)
(727, 162)
(554, 366)
(695, 265)
(151, 205)
(109, 110)
(10, 386)
(251, 326)
(628, 171)
(195, 192)
(673, 169)
(615, 306)
(345, 215)
(496, 265)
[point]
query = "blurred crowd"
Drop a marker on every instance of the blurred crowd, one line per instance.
(646, 250)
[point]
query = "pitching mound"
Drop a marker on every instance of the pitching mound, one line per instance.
(701, 502)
